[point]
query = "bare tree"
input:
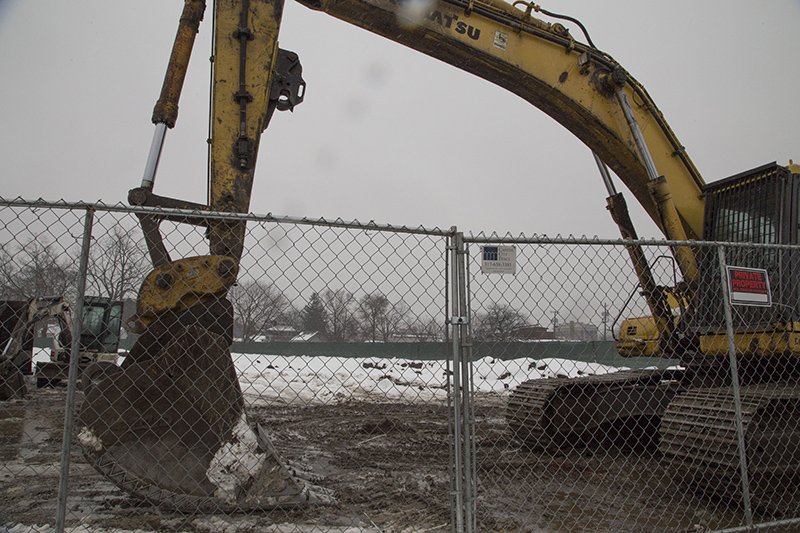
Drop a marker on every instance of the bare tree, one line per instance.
(36, 270)
(380, 320)
(118, 264)
(372, 309)
(393, 320)
(7, 270)
(499, 322)
(342, 322)
(426, 330)
(257, 306)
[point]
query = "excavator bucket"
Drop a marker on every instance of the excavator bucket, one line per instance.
(170, 428)
(12, 382)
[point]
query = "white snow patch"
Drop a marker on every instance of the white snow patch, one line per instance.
(267, 379)
(236, 462)
(88, 439)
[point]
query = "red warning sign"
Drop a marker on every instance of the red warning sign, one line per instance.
(749, 286)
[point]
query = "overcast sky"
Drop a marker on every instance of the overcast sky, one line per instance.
(386, 133)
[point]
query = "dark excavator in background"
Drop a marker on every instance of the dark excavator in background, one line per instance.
(98, 342)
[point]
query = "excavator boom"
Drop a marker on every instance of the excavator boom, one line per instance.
(575, 84)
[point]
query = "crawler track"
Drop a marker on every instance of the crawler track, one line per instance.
(558, 411)
(698, 430)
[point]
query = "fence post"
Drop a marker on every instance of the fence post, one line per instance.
(77, 326)
(471, 470)
(467, 407)
(462, 438)
(748, 513)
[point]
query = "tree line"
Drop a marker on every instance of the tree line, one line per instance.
(118, 263)
(337, 315)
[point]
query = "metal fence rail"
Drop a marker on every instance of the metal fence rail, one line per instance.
(415, 387)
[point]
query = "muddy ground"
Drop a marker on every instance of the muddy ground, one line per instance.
(387, 465)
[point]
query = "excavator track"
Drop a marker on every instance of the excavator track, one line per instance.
(699, 431)
(555, 412)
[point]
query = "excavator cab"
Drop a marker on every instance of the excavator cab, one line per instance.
(759, 206)
(98, 343)
(102, 322)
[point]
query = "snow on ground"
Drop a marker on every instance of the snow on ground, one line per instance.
(267, 379)
(290, 379)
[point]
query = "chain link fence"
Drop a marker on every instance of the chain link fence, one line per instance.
(393, 379)
(695, 429)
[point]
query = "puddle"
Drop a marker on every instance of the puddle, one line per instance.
(20, 435)
(12, 421)
(31, 439)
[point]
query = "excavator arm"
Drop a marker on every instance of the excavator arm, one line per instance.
(579, 86)
(179, 377)
(252, 78)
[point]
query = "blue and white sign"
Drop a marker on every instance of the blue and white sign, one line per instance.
(499, 259)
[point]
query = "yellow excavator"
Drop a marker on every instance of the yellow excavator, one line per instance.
(171, 428)
(691, 411)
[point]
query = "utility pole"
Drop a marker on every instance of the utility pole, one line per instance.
(555, 324)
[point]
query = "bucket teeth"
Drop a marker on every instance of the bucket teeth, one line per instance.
(170, 428)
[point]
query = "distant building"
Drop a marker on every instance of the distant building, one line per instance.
(310, 336)
(531, 333)
(576, 331)
(416, 337)
(278, 334)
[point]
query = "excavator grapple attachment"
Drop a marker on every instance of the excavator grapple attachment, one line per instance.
(170, 427)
